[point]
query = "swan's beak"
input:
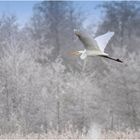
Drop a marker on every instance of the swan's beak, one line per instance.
(75, 53)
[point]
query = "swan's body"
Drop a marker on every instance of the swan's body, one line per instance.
(94, 47)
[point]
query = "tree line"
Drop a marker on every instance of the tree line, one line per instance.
(43, 88)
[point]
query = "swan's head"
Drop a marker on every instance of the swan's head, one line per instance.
(81, 53)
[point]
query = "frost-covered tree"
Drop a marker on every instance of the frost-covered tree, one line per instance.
(53, 22)
(123, 19)
(121, 87)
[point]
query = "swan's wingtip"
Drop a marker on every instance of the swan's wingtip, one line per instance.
(75, 30)
(111, 32)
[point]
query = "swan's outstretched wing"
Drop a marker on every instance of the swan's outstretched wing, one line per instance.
(103, 40)
(87, 40)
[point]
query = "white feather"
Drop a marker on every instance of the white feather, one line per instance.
(83, 54)
(103, 40)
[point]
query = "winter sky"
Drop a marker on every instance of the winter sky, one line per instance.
(23, 10)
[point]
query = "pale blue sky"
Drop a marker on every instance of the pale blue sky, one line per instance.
(23, 9)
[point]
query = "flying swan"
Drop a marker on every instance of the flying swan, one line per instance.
(94, 47)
